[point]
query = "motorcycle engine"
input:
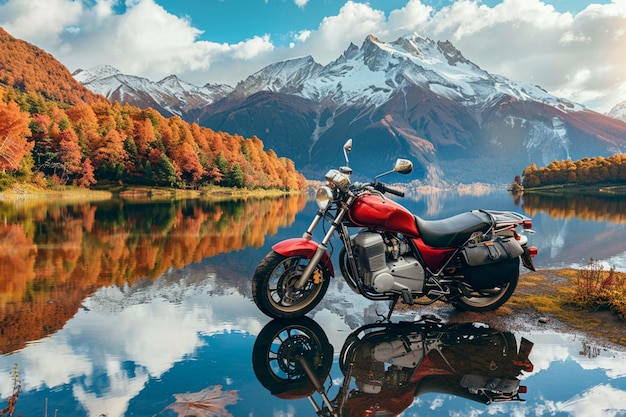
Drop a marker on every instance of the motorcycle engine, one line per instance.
(385, 263)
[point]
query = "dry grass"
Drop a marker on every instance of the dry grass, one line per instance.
(589, 299)
(598, 289)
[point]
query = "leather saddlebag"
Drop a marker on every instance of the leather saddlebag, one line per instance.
(491, 263)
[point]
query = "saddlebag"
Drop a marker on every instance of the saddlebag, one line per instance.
(491, 263)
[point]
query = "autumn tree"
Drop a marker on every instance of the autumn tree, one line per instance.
(531, 177)
(87, 178)
(13, 136)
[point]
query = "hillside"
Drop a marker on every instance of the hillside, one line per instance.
(55, 132)
(27, 68)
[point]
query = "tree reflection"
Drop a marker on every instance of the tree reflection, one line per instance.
(53, 256)
(585, 207)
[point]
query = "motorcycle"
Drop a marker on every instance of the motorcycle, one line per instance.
(470, 260)
(386, 365)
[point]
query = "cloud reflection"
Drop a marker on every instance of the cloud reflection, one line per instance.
(123, 338)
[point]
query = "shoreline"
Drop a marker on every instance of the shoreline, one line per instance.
(27, 192)
(538, 304)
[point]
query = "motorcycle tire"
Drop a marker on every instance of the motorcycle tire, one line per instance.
(274, 286)
(278, 351)
(489, 299)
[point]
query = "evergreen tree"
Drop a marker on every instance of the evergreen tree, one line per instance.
(164, 172)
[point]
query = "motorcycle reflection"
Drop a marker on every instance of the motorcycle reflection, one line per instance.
(386, 365)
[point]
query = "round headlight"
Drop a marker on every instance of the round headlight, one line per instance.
(323, 197)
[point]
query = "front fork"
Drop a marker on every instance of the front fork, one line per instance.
(322, 247)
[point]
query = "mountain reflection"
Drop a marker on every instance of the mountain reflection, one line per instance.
(566, 206)
(53, 256)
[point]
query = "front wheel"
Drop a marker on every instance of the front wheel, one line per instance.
(280, 352)
(274, 286)
(488, 299)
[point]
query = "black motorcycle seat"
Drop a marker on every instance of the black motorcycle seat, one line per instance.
(453, 231)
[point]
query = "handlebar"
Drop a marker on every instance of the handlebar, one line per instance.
(379, 186)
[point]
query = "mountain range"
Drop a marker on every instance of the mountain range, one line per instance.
(413, 97)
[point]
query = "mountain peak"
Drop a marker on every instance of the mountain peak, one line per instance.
(453, 55)
(285, 76)
(618, 111)
(95, 73)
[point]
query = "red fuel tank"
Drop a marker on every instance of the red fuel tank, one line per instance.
(376, 212)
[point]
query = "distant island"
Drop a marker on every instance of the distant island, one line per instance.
(599, 174)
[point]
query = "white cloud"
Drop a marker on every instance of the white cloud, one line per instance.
(526, 40)
(601, 401)
(252, 48)
(570, 37)
(39, 21)
(410, 17)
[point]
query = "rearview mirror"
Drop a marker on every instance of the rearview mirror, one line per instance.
(348, 145)
(403, 166)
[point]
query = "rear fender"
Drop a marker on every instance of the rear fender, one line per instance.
(303, 247)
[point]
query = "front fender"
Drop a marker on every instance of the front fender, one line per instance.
(298, 246)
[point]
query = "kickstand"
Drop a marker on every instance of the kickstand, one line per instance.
(392, 306)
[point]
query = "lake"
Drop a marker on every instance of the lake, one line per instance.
(143, 308)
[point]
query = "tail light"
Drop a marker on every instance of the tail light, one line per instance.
(527, 224)
(525, 365)
(523, 389)
(533, 251)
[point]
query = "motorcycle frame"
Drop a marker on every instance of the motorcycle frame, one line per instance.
(341, 227)
(437, 281)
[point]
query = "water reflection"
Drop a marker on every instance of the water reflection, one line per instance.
(53, 256)
(384, 366)
(610, 208)
(124, 307)
(136, 349)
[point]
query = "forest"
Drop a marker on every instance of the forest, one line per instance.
(53, 131)
(587, 171)
(46, 143)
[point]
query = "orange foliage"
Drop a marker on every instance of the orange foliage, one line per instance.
(13, 133)
(585, 171)
(30, 69)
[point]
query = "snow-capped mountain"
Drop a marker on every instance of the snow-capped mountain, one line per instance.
(170, 96)
(372, 74)
(413, 98)
(618, 111)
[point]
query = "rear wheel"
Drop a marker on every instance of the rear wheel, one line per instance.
(274, 286)
(488, 299)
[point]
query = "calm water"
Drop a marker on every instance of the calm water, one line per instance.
(140, 308)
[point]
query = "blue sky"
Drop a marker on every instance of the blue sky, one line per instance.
(572, 48)
(232, 21)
